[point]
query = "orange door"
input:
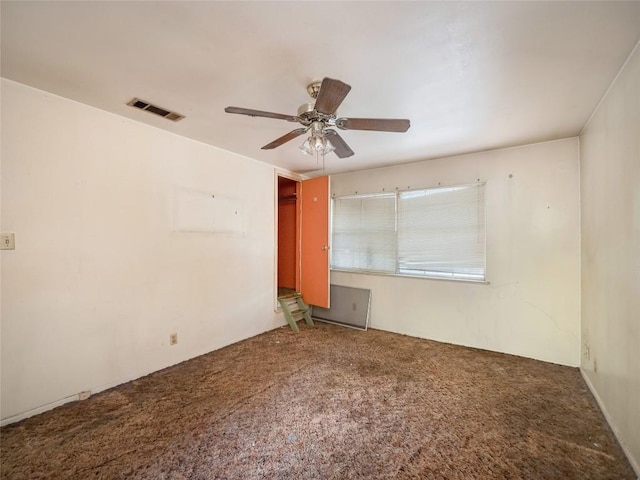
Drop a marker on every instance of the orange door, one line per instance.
(314, 242)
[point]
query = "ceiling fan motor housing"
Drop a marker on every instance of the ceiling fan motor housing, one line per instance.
(307, 115)
(306, 108)
(307, 112)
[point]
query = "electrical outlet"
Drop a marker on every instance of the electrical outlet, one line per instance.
(173, 339)
(587, 352)
(7, 241)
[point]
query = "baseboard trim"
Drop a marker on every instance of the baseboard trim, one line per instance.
(616, 432)
(37, 410)
(57, 403)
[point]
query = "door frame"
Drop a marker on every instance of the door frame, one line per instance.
(297, 178)
(315, 253)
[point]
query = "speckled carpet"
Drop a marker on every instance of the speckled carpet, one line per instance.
(328, 403)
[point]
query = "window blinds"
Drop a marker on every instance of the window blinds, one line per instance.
(437, 232)
(441, 232)
(364, 232)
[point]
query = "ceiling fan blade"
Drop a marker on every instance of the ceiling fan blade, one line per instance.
(331, 95)
(285, 138)
(342, 150)
(377, 124)
(260, 113)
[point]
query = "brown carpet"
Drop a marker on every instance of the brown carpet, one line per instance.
(328, 403)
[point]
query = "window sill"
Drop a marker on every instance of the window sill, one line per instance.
(420, 277)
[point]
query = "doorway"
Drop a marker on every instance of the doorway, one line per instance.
(288, 236)
(303, 239)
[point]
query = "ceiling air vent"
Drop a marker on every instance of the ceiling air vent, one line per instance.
(142, 105)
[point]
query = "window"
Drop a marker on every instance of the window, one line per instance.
(364, 233)
(441, 232)
(436, 232)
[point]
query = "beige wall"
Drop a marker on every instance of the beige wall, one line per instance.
(610, 194)
(531, 306)
(98, 279)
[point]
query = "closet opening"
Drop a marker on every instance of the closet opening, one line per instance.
(288, 236)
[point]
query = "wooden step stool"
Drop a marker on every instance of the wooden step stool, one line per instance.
(294, 309)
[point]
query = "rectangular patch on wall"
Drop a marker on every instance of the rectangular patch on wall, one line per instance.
(205, 212)
(349, 307)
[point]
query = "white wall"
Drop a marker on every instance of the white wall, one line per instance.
(98, 279)
(531, 307)
(610, 193)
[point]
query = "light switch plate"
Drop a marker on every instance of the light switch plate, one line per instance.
(7, 241)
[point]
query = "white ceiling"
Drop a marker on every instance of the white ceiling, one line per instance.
(470, 76)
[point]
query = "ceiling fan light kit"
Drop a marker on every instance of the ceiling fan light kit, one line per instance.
(319, 116)
(317, 143)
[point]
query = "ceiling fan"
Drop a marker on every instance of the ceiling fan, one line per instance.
(319, 116)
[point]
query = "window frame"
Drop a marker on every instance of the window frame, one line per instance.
(428, 275)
